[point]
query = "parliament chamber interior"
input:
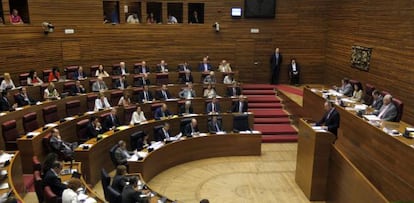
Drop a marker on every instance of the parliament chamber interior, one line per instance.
(206, 101)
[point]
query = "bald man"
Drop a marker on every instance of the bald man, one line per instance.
(162, 112)
(388, 111)
(191, 128)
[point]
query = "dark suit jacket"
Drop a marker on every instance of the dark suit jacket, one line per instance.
(188, 131)
(182, 109)
(141, 96)
(210, 107)
(181, 67)
(275, 63)
(118, 84)
(201, 67)
(158, 113)
(160, 135)
(230, 91)
(91, 131)
(4, 104)
(159, 68)
(140, 69)
(236, 106)
(160, 96)
(76, 90)
(120, 157)
(21, 102)
(332, 122)
(184, 79)
(55, 183)
(76, 75)
(108, 123)
(119, 182)
(212, 127)
(129, 195)
(140, 82)
(119, 72)
(291, 70)
(377, 104)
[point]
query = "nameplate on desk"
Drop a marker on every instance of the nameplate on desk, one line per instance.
(318, 129)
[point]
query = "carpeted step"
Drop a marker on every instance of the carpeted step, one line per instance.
(258, 92)
(258, 86)
(271, 129)
(262, 99)
(268, 113)
(279, 138)
(282, 120)
(265, 105)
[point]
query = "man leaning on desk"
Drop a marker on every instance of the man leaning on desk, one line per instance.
(330, 120)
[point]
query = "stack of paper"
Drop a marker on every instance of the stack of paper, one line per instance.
(34, 134)
(371, 117)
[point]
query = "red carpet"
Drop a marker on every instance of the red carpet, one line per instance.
(290, 89)
(269, 116)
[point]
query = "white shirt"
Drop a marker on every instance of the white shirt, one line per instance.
(132, 20)
(137, 118)
(101, 105)
(294, 67)
(51, 94)
(4, 85)
(172, 20)
(227, 80)
(69, 196)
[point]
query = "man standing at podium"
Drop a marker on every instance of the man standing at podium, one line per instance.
(330, 121)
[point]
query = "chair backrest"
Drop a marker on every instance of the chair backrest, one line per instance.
(183, 123)
(116, 69)
(72, 107)
(115, 96)
(37, 166)
(50, 114)
(400, 106)
(241, 122)
(368, 93)
(136, 67)
(45, 74)
(81, 130)
(112, 154)
(106, 181)
(157, 128)
(50, 196)
(134, 137)
(113, 195)
(91, 101)
(23, 79)
(70, 71)
(93, 70)
(30, 122)
(38, 184)
(128, 111)
(67, 87)
(46, 143)
(10, 134)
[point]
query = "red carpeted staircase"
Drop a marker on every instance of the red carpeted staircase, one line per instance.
(269, 116)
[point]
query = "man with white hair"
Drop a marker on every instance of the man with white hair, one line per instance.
(122, 69)
(388, 111)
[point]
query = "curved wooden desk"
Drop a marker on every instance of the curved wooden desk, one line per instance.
(97, 156)
(15, 177)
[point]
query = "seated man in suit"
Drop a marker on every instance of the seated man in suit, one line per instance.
(121, 154)
(23, 98)
(183, 67)
(240, 106)
(186, 108)
(214, 125)
(142, 142)
(94, 127)
(145, 95)
(52, 179)
(213, 107)
(210, 79)
(188, 92)
(234, 90)
(330, 121)
(5, 104)
(120, 179)
(377, 100)
(191, 128)
(79, 75)
(143, 68)
(346, 88)
(388, 111)
(132, 193)
(99, 85)
(111, 121)
(162, 112)
(187, 77)
(78, 88)
(163, 133)
(162, 67)
(58, 145)
(122, 69)
(142, 81)
(163, 93)
(121, 83)
(294, 72)
(205, 66)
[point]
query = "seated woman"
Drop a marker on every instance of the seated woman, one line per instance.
(224, 67)
(7, 83)
(125, 100)
(51, 92)
(101, 72)
(358, 92)
(151, 19)
(101, 102)
(70, 194)
(54, 76)
(209, 92)
(133, 19)
(228, 79)
(33, 79)
(138, 116)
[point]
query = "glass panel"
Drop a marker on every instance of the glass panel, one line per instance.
(111, 12)
(195, 13)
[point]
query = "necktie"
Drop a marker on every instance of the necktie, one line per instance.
(329, 114)
(99, 86)
(145, 95)
(217, 128)
(234, 91)
(113, 120)
(205, 67)
(213, 108)
(143, 81)
(241, 107)
(383, 112)
(185, 68)
(144, 70)
(166, 134)
(165, 95)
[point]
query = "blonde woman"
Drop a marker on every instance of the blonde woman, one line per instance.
(138, 116)
(7, 82)
(51, 92)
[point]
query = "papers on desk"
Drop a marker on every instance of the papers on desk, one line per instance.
(202, 134)
(221, 133)
(250, 132)
(137, 155)
(371, 117)
(90, 112)
(360, 107)
(3, 172)
(51, 125)
(335, 93)
(318, 128)
(4, 186)
(2, 114)
(171, 99)
(123, 127)
(156, 145)
(68, 171)
(348, 100)
(69, 118)
(34, 134)
(5, 157)
(189, 115)
(18, 108)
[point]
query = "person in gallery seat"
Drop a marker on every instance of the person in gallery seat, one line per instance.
(138, 116)
(111, 121)
(163, 93)
(120, 179)
(240, 106)
(388, 111)
(23, 98)
(5, 104)
(101, 102)
(162, 112)
(54, 76)
(122, 69)
(188, 92)
(15, 18)
(7, 82)
(143, 68)
(186, 108)
(191, 128)
(61, 146)
(51, 93)
(330, 120)
(99, 85)
(121, 83)
(145, 95)
(187, 77)
(346, 88)
(294, 72)
(94, 127)
(133, 19)
(214, 125)
(133, 194)
(52, 179)
(122, 154)
(151, 18)
(163, 133)
(183, 67)
(224, 67)
(210, 78)
(228, 79)
(194, 18)
(205, 66)
(377, 100)
(78, 89)
(234, 90)
(101, 72)
(79, 75)
(162, 67)
(33, 79)
(213, 107)
(142, 81)
(209, 92)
